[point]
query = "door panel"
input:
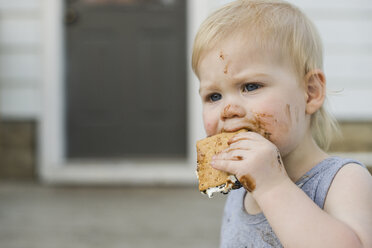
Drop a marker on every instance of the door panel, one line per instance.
(125, 79)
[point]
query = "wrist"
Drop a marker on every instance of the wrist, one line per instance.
(266, 195)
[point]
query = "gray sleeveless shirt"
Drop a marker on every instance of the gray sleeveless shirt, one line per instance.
(242, 230)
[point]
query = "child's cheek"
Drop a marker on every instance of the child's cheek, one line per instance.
(210, 124)
(281, 125)
(210, 128)
(271, 123)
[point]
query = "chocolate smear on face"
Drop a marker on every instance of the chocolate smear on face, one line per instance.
(288, 112)
(248, 182)
(226, 110)
(222, 56)
(258, 124)
(226, 69)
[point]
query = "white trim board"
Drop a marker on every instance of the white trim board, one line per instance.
(132, 173)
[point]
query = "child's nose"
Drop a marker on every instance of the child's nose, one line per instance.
(232, 111)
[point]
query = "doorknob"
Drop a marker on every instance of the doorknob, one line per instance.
(71, 16)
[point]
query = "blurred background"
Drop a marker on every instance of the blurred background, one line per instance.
(99, 115)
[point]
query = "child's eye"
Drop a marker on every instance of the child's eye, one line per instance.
(214, 97)
(251, 86)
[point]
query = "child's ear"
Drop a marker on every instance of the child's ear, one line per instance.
(315, 83)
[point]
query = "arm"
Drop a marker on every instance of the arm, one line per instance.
(350, 201)
(299, 222)
(294, 217)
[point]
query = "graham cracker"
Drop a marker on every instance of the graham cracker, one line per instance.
(206, 149)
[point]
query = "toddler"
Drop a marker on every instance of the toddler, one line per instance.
(260, 68)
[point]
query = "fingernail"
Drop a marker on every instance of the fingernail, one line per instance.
(212, 163)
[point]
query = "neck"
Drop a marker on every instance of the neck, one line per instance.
(303, 158)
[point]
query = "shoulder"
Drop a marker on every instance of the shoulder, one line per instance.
(349, 199)
(352, 186)
(351, 178)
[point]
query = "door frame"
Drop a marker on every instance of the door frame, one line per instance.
(53, 166)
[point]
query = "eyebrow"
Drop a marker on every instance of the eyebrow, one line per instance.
(205, 88)
(242, 77)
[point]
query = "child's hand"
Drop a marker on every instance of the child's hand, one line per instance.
(254, 160)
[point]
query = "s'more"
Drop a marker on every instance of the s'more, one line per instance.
(211, 180)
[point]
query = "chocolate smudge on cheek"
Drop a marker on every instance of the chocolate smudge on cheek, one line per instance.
(288, 112)
(262, 121)
(248, 182)
(259, 124)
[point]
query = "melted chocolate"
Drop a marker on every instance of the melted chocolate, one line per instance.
(226, 69)
(239, 158)
(248, 182)
(259, 125)
(222, 56)
(279, 157)
(288, 112)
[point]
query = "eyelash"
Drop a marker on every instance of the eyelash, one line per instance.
(257, 86)
(210, 96)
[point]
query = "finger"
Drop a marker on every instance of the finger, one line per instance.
(236, 139)
(236, 148)
(242, 144)
(241, 136)
(229, 166)
(246, 136)
(230, 154)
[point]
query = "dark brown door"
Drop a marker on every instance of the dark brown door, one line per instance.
(125, 78)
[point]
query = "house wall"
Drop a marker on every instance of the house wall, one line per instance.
(346, 28)
(20, 59)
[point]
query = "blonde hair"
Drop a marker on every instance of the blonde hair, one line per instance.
(275, 26)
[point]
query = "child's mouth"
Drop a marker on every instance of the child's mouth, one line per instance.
(257, 124)
(231, 130)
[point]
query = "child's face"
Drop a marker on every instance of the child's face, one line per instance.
(242, 87)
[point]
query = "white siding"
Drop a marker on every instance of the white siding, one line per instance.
(20, 102)
(23, 66)
(20, 59)
(20, 31)
(328, 6)
(19, 5)
(346, 30)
